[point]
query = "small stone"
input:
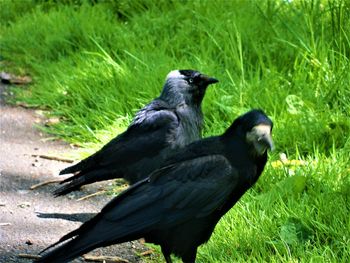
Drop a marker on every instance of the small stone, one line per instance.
(24, 205)
(29, 242)
(36, 164)
(52, 121)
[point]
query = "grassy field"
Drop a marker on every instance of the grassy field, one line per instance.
(94, 65)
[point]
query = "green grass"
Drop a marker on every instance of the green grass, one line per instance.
(309, 223)
(94, 65)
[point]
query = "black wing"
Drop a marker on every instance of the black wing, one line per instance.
(129, 154)
(170, 196)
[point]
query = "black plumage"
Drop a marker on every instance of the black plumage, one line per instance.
(170, 121)
(178, 205)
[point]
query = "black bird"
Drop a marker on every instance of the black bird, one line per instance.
(178, 205)
(172, 120)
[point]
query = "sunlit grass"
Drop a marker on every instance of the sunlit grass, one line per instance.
(95, 65)
(307, 222)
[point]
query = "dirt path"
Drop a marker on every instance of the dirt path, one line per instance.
(30, 220)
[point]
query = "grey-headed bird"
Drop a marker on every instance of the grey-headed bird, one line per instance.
(172, 120)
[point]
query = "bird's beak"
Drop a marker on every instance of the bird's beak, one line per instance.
(266, 140)
(261, 138)
(208, 80)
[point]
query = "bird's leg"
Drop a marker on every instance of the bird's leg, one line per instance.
(166, 254)
(190, 257)
(168, 259)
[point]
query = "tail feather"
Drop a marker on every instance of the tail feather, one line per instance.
(110, 226)
(84, 165)
(71, 169)
(69, 187)
(75, 182)
(75, 243)
(69, 250)
(82, 244)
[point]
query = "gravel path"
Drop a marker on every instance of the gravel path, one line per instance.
(30, 220)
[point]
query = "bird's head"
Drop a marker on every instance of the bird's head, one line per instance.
(186, 85)
(256, 128)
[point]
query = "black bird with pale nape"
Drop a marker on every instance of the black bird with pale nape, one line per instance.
(170, 121)
(179, 205)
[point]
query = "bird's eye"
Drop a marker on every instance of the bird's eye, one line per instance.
(190, 80)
